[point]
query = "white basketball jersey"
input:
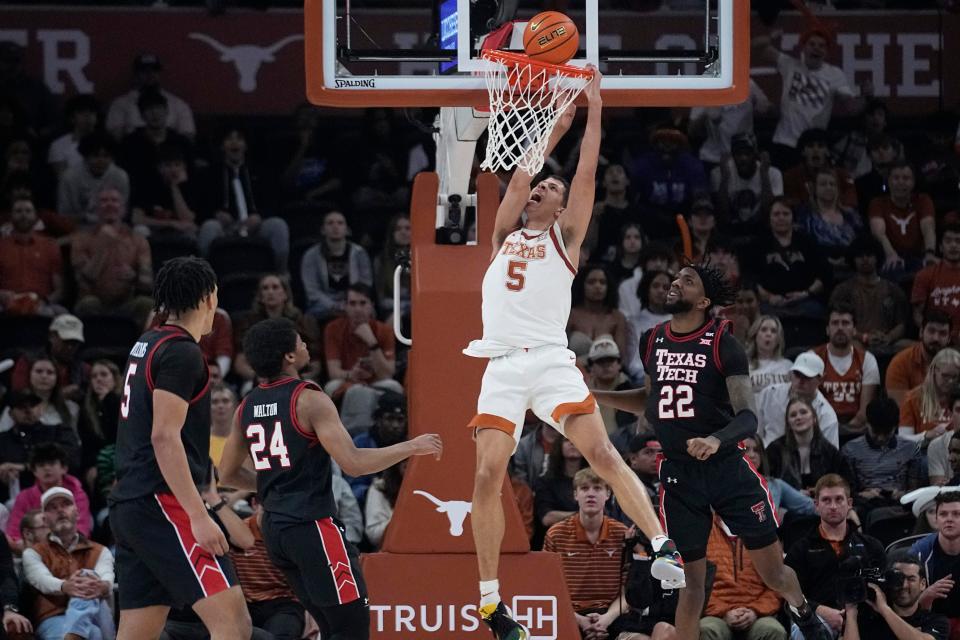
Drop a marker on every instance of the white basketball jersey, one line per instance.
(526, 294)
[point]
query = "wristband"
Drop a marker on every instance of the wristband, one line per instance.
(220, 505)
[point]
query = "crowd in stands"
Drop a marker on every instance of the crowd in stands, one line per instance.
(836, 220)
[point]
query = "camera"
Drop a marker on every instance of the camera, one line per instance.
(854, 578)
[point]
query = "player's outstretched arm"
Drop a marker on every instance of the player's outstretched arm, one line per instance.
(576, 218)
(317, 410)
(632, 400)
(518, 189)
(169, 414)
(235, 453)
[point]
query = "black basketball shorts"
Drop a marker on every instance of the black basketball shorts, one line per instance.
(692, 490)
(322, 566)
(158, 561)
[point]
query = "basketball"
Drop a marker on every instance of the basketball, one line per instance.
(551, 37)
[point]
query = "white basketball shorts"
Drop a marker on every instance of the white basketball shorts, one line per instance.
(545, 379)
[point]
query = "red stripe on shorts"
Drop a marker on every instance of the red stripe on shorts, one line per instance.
(204, 564)
(339, 560)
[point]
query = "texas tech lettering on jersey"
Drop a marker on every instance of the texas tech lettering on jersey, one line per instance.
(688, 383)
(293, 469)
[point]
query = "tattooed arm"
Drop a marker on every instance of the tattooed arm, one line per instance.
(743, 425)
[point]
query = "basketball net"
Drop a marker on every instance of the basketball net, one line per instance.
(526, 100)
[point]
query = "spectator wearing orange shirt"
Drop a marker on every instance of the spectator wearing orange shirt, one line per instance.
(927, 409)
(31, 269)
(909, 367)
(590, 545)
(904, 222)
(938, 285)
(217, 346)
(272, 604)
(851, 376)
(739, 602)
(112, 264)
(360, 359)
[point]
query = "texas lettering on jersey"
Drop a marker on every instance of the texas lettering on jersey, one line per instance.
(524, 251)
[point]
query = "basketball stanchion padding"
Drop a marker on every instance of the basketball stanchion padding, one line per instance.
(527, 97)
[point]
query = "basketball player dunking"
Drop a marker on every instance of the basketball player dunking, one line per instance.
(699, 400)
(526, 303)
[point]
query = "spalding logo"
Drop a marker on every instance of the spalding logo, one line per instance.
(356, 83)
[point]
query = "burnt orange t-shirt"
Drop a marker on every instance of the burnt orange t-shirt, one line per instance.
(903, 224)
(29, 265)
(911, 416)
(341, 344)
(938, 287)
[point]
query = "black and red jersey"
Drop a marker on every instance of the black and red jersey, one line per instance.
(688, 383)
(166, 358)
(293, 469)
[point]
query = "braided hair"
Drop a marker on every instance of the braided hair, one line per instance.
(716, 288)
(181, 285)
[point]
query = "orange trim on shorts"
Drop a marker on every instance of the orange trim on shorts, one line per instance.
(490, 421)
(585, 406)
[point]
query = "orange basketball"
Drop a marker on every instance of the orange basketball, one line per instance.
(551, 37)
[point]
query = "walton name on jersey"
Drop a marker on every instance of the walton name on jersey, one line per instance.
(676, 367)
(264, 410)
(525, 251)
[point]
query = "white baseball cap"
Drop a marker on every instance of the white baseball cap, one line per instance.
(603, 347)
(55, 492)
(808, 364)
(68, 327)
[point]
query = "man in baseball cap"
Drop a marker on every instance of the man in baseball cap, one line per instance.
(805, 378)
(605, 372)
(64, 339)
(67, 327)
(123, 117)
(643, 458)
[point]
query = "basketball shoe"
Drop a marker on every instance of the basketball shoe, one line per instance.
(667, 564)
(501, 624)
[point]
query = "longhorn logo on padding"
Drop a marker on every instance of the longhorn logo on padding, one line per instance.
(456, 511)
(246, 58)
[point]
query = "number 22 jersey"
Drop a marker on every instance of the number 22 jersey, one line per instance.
(688, 383)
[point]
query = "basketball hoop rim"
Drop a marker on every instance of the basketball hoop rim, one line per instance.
(511, 59)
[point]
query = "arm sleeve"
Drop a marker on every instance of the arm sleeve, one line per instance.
(104, 567)
(776, 181)
(38, 575)
(871, 370)
(178, 368)
(378, 514)
(829, 423)
(938, 460)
